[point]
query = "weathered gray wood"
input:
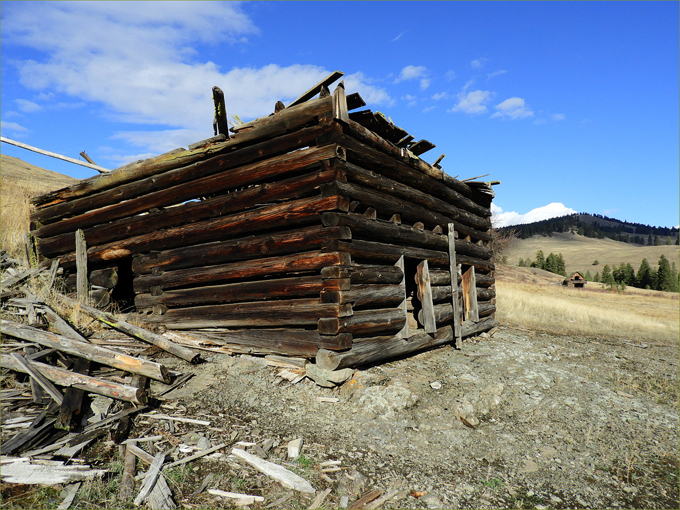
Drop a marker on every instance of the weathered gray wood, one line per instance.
(280, 474)
(220, 124)
(326, 82)
(22, 471)
(340, 112)
(150, 479)
(127, 484)
(63, 377)
(405, 331)
(425, 296)
(35, 374)
(97, 354)
(453, 280)
(470, 295)
(81, 267)
(160, 497)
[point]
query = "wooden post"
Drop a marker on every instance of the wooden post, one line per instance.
(81, 267)
(405, 332)
(29, 247)
(425, 296)
(220, 124)
(340, 112)
(470, 295)
(454, 284)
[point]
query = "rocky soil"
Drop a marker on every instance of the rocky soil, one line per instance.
(518, 419)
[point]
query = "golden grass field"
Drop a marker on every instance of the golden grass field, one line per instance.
(580, 252)
(534, 299)
(20, 182)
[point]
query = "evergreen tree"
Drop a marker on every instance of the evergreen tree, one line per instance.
(674, 278)
(596, 278)
(645, 278)
(629, 277)
(588, 276)
(656, 241)
(668, 241)
(649, 240)
(561, 266)
(540, 260)
(663, 275)
(619, 273)
(607, 277)
(551, 263)
(521, 263)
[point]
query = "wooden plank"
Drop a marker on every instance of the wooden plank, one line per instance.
(405, 331)
(470, 295)
(326, 82)
(280, 474)
(340, 112)
(220, 124)
(94, 353)
(455, 293)
(150, 479)
(244, 248)
(300, 211)
(204, 181)
(54, 155)
(34, 372)
(293, 312)
(81, 268)
(306, 261)
(287, 120)
(73, 398)
(425, 296)
(421, 147)
(127, 484)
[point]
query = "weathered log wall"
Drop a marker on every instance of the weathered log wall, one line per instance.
(311, 228)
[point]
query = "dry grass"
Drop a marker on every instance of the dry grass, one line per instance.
(640, 316)
(21, 182)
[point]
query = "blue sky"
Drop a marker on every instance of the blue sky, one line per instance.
(573, 106)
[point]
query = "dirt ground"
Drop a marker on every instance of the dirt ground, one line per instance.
(518, 419)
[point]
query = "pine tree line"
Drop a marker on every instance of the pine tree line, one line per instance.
(553, 263)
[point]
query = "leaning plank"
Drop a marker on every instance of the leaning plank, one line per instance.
(60, 325)
(70, 496)
(73, 397)
(127, 484)
(326, 82)
(425, 296)
(280, 474)
(21, 470)
(81, 268)
(94, 353)
(470, 295)
(141, 333)
(18, 278)
(161, 496)
(150, 479)
(35, 374)
(453, 279)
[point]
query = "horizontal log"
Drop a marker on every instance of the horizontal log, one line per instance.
(92, 352)
(286, 121)
(368, 352)
(481, 265)
(295, 241)
(440, 277)
(234, 292)
(191, 212)
(388, 205)
(67, 378)
(485, 280)
(161, 194)
(107, 278)
(485, 294)
(368, 250)
(266, 218)
(440, 293)
(486, 309)
(289, 342)
(365, 273)
(375, 296)
(368, 157)
(443, 313)
(297, 262)
(293, 312)
(364, 322)
(385, 230)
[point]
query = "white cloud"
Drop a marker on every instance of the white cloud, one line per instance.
(398, 37)
(514, 108)
(428, 109)
(558, 116)
(504, 219)
(440, 95)
(450, 75)
(139, 60)
(495, 73)
(478, 63)
(415, 73)
(27, 106)
(411, 100)
(12, 127)
(472, 102)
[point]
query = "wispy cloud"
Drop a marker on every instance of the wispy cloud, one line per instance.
(27, 106)
(450, 75)
(440, 95)
(140, 61)
(415, 73)
(398, 37)
(479, 63)
(12, 127)
(411, 100)
(472, 102)
(558, 116)
(495, 73)
(552, 210)
(513, 108)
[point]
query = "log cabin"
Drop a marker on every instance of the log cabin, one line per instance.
(317, 231)
(576, 279)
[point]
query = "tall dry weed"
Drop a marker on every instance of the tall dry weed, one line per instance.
(15, 217)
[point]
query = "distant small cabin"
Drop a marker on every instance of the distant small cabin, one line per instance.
(576, 279)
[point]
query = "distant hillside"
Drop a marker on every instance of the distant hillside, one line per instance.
(580, 252)
(600, 227)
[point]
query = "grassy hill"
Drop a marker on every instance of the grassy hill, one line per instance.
(580, 252)
(20, 182)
